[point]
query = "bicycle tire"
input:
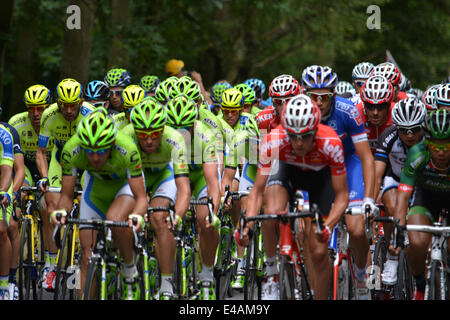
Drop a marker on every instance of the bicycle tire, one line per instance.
(178, 273)
(286, 280)
(344, 281)
(60, 287)
(92, 290)
(251, 265)
(224, 270)
(403, 289)
(379, 258)
(435, 281)
(25, 262)
(142, 270)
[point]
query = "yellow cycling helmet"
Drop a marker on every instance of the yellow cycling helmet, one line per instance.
(132, 95)
(232, 99)
(69, 91)
(37, 95)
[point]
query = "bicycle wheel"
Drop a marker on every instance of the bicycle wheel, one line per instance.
(62, 264)
(142, 268)
(403, 289)
(286, 281)
(92, 288)
(26, 265)
(379, 258)
(437, 281)
(251, 289)
(344, 280)
(179, 273)
(225, 268)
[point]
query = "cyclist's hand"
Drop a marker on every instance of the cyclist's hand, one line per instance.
(324, 235)
(177, 223)
(138, 219)
(43, 184)
(226, 205)
(374, 212)
(5, 198)
(58, 217)
(215, 222)
(245, 237)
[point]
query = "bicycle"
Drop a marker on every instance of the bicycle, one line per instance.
(436, 263)
(293, 281)
(67, 266)
(31, 252)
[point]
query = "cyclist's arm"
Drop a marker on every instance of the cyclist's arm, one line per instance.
(368, 167)
(227, 178)
(212, 183)
(41, 161)
(6, 178)
(380, 168)
(255, 198)
(183, 195)
(19, 171)
(403, 196)
(137, 186)
(341, 197)
(67, 189)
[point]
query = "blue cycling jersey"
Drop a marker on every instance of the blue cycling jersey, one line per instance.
(347, 122)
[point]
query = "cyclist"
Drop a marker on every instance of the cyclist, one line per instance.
(281, 90)
(182, 114)
(163, 154)
(116, 79)
(393, 145)
(113, 188)
(442, 95)
(97, 93)
(131, 96)
(393, 74)
(249, 99)
(149, 84)
(426, 178)
(360, 73)
(6, 177)
(243, 151)
(376, 108)
(310, 157)
(259, 87)
(59, 121)
(341, 115)
(216, 95)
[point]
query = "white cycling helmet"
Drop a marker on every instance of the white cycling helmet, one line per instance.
(442, 94)
(408, 113)
(343, 87)
(362, 70)
(377, 90)
(300, 115)
(389, 71)
(317, 77)
(429, 98)
(283, 86)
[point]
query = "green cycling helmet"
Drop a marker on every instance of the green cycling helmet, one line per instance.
(164, 89)
(149, 83)
(97, 129)
(117, 77)
(437, 124)
(181, 112)
(149, 114)
(217, 90)
(188, 87)
(251, 126)
(247, 92)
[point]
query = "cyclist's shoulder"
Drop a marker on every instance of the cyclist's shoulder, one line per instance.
(128, 130)
(173, 138)
(19, 119)
(86, 108)
(202, 131)
(418, 156)
(209, 118)
(51, 111)
(389, 136)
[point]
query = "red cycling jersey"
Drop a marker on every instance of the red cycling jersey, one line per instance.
(374, 132)
(327, 151)
(267, 120)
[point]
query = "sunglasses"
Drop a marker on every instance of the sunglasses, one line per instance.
(39, 108)
(233, 111)
(412, 130)
(153, 134)
(323, 96)
(117, 92)
(98, 104)
(97, 151)
(281, 100)
(438, 146)
(302, 136)
(69, 105)
(359, 83)
(371, 107)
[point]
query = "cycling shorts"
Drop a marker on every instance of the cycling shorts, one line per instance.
(428, 203)
(198, 184)
(55, 171)
(10, 207)
(248, 177)
(98, 195)
(162, 183)
(355, 181)
(317, 183)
